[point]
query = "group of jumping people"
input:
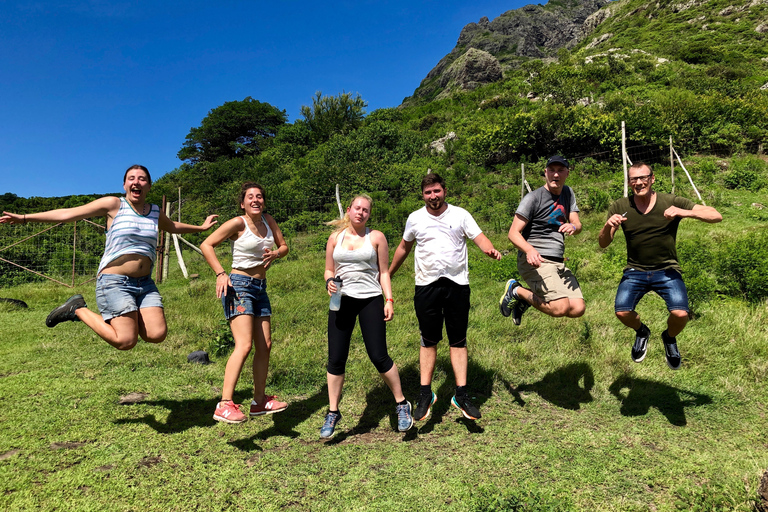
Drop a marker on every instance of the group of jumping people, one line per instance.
(357, 266)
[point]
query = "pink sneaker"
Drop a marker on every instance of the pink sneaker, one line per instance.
(228, 412)
(271, 405)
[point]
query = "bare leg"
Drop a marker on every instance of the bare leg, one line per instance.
(676, 322)
(572, 308)
(152, 325)
(427, 361)
(335, 385)
(629, 318)
(242, 331)
(262, 337)
(121, 332)
(392, 379)
(459, 361)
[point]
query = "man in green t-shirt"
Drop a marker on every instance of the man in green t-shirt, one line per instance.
(649, 220)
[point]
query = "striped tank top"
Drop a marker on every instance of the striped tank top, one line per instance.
(131, 233)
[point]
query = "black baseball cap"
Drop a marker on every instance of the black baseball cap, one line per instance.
(557, 159)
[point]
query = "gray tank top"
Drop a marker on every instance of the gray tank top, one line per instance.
(358, 268)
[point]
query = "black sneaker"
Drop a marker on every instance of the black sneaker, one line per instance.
(506, 300)
(640, 348)
(466, 407)
(518, 309)
(670, 351)
(424, 407)
(65, 312)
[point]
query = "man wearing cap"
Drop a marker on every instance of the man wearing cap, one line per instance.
(542, 221)
(649, 221)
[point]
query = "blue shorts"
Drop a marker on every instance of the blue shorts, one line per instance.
(668, 284)
(118, 295)
(248, 297)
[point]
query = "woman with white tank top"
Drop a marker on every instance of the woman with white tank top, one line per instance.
(360, 258)
(243, 294)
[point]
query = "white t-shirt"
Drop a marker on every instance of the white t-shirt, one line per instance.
(441, 244)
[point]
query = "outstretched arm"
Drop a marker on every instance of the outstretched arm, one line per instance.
(173, 226)
(699, 212)
(486, 246)
(402, 252)
(99, 208)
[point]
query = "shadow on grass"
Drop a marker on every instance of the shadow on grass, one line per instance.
(479, 388)
(637, 396)
(567, 387)
(184, 414)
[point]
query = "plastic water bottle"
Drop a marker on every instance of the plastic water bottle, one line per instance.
(336, 296)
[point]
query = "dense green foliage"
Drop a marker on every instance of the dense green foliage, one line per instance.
(233, 130)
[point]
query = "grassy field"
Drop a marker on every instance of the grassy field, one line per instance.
(569, 421)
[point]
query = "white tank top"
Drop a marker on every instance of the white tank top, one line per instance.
(248, 250)
(358, 268)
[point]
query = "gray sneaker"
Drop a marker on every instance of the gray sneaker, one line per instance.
(640, 348)
(404, 417)
(65, 312)
(505, 302)
(331, 419)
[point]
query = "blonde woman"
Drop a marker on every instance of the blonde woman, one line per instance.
(360, 258)
(243, 294)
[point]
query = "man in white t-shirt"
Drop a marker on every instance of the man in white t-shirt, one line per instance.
(440, 232)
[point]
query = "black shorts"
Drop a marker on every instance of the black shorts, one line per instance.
(442, 300)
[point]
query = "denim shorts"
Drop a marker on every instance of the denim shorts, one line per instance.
(118, 295)
(668, 284)
(248, 297)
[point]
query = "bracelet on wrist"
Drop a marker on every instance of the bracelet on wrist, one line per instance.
(391, 300)
(328, 281)
(223, 272)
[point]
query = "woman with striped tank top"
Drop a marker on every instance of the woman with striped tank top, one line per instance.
(243, 294)
(126, 295)
(360, 258)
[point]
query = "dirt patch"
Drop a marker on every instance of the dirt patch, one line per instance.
(68, 445)
(132, 398)
(8, 454)
(148, 462)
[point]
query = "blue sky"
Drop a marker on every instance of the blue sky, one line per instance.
(90, 88)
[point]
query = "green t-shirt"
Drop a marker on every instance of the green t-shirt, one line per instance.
(651, 236)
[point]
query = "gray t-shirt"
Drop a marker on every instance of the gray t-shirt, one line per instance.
(545, 213)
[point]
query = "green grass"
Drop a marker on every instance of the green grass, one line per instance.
(569, 422)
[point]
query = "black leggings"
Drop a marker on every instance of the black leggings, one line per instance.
(341, 324)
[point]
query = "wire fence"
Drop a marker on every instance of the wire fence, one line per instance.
(69, 253)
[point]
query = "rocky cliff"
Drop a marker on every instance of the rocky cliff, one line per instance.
(486, 48)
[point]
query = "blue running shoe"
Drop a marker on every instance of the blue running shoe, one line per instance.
(404, 417)
(331, 419)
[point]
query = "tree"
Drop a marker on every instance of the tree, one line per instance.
(330, 115)
(235, 129)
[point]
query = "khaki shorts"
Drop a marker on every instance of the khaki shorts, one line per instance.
(551, 281)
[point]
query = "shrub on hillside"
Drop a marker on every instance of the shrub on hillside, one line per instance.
(746, 173)
(743, 265)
